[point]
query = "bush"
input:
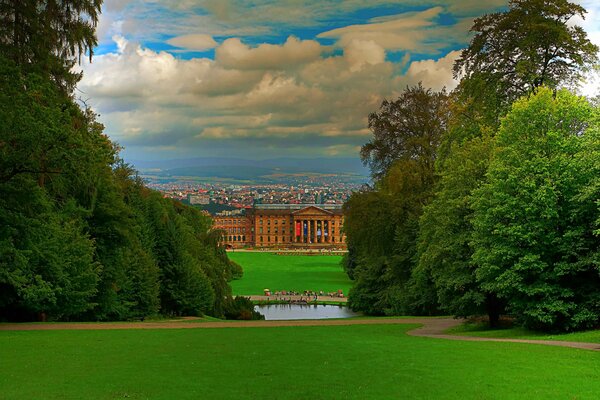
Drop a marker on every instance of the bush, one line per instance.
(236, 270)
(241, 308)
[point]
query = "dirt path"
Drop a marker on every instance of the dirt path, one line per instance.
(190, 324)
(431, 328)
(437, 327)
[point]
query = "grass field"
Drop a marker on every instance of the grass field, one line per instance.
(483, 330)
(339, 362)
(299, 273)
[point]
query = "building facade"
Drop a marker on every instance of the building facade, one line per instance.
(237, 230)
(285, 226)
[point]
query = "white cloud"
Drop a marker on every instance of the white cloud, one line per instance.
(591, 86)
(294, 52)
(405, 32)
(435, 74)
(195, 41)
(298, 95)
(361, 52)
(149, 98)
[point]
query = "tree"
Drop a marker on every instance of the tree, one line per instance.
(382, 223)
(511, 54)
(407, 127)
(80, 235)
(49, 36)
(534, 244)
(47, 263)
(369, 229)
(532, 44)
(446, 232)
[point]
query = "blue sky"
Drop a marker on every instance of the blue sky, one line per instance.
(261, 79)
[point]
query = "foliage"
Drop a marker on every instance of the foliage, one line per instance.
(236, 270)
(241, 308)
(405, 128)
(532, 44)
(382, 222)
(415, 242)
(49, 36)
(446, 230)
(534, 241)
(80, 235)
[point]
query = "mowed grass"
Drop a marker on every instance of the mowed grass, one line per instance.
(334, 362)
(483, 330)
(298, 273)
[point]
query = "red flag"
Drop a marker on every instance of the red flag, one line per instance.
(298, 228)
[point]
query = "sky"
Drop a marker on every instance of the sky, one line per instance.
(262, 79)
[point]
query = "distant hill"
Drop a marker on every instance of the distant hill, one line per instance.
(269, 170)
(319, 165)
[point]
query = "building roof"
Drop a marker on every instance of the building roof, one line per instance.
(294, 207)
(288, 209)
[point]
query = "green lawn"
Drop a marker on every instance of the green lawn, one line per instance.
(299, 273)
(483, 330)
(335, 362)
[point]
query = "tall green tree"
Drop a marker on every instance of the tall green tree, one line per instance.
(407, 127)
(47, 267)
(446, 233)
(370, 231)
(382, 223)
(49, 36)
(80, 235)
(514, 52)
(534, 236)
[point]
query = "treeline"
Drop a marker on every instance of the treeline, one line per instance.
(486, 199)
(81, 237)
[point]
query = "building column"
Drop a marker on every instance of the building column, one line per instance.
(294, 230)
(317, 225)
(316, 239)
(304, 235)
(322, 239)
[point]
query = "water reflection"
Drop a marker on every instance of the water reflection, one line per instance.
(303, 311)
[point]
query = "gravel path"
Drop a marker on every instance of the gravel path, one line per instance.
(431, 328)
(435, 328)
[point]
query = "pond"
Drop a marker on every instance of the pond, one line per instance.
(303, 311)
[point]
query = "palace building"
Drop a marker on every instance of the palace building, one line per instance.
(285, 226)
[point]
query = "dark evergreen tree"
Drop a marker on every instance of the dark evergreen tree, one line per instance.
(80, 235)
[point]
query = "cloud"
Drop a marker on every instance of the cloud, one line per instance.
(151, 99)
(403, 32)
(591, 85)
(195, 41)
(235, 54)
(435, 74)
(269, 89)
(361, 52)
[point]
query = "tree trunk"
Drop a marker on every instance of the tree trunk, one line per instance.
(494, 309)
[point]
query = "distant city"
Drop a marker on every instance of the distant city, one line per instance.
(223, 186)
(234, 199)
